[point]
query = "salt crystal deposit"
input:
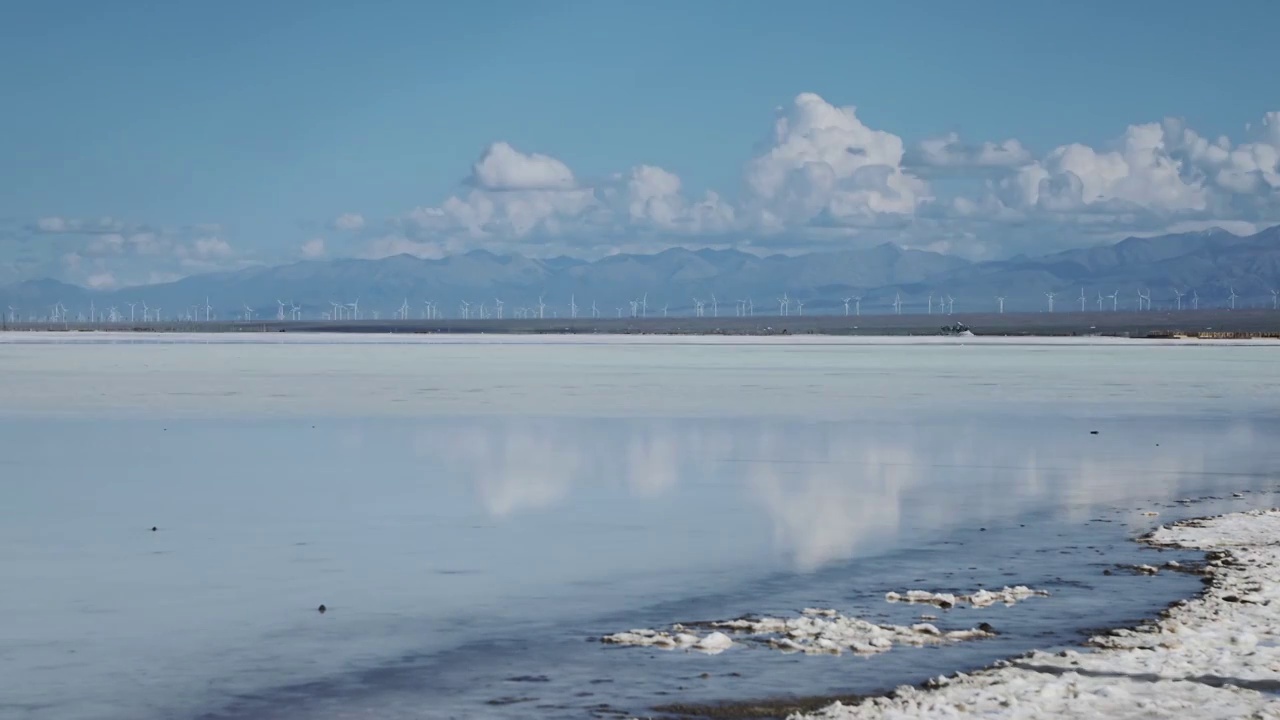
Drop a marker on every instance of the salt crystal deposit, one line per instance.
(981, 598)
(1215, 656)
(814, 631)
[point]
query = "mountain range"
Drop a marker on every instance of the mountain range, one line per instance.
(1209, 263)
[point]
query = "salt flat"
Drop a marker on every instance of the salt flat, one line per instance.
(288, 375)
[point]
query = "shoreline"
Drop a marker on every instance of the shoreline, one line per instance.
(1204, 324)
(1215, 654)
(1212, 655)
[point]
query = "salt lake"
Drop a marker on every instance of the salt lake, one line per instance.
(475, 512)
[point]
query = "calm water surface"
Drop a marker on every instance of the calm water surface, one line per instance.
(468, 553)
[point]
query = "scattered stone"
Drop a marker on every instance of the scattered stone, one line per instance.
(322, 609)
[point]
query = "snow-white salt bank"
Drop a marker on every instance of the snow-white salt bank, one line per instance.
(814, 631)
(982, 598)
(1216, 656)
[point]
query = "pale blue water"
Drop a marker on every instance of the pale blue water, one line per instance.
(467, 559)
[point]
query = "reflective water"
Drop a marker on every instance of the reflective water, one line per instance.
(467, 558)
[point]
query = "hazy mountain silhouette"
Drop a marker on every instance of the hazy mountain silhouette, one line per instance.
(1210, 262)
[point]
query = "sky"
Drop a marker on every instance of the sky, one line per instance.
(144, 140)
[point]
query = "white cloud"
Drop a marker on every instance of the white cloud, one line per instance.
(948, 151)
(53, 225)
(56, 225)
(502, 167)
(350, 222)
(102, 281)
(313, 248)
(823, 164)
(823, 178)
(211, 248)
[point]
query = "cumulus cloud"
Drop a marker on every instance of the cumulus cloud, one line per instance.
(949, 152)
(822, 178)
(313, 248)
(350, 222)
(502, 167)
(824, 164)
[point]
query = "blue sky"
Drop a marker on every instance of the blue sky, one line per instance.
(234, 133)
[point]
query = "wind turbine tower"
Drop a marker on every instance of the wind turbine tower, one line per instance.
(1000, 301)
(1050, 296)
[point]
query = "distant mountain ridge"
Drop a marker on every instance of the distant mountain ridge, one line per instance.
(1211, 263)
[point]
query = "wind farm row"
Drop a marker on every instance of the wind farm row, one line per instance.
(1175, 300)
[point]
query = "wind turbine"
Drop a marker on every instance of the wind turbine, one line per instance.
(498, 304)
(542, 308)
(1178, 293)
(280, 310)
(466, 310)
(1195, 300)
(784, 304)
(1233, 297)
(857, 305)
(715, 306)
(355, 309)
(595, 312)
(800, 307)
(951, 305)
(1000, 300)
(1275, 299)
(131, 307)
(1050, 296)
(644, 305)
(1144, 298)
(1114, 301)
(697, 307)
(296, 309)
(248, 314)
(846, 306)
(1082, 300)
(1099, 301)
(146, 312)
(208, 309)
(665, 307)
(897, 303)
(930, 303)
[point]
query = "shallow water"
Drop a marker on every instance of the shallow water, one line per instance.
(468, 553)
